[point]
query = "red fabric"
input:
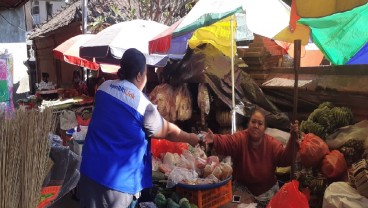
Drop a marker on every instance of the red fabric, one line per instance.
(334, 165)
(289, 196)
(294, 17)
(254, 167)
(162, 42)
(312, 150)
(159, 146)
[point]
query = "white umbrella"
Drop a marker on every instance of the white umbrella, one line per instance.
(109, 45)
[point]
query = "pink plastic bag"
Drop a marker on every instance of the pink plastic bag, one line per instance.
(289, 196)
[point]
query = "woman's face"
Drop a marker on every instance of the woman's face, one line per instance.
(256, 126)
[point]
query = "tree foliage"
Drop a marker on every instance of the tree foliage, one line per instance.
(103, 13)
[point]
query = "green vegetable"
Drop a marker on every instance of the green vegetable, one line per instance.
(172, 204)
(183, 200)
(157, 176)
(193, 206)
(175, 196)
(185, 204)
(160, 200)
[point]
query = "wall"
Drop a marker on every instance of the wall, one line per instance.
(56, 6)
(59, 71)
(12, 26)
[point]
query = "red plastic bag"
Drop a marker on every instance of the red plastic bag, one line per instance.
(334, 165)
(289, 196)
(159, 146)
(312, 150)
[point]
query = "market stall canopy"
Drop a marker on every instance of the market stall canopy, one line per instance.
(109, 45)
(68, 51)
(175, 39)
(341, 36)
(317, 8)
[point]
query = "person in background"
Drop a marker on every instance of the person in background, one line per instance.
(45, 84)
(78, 84)
(116, 158)
(255, 156)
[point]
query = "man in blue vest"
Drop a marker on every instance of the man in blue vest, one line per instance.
(116, 158)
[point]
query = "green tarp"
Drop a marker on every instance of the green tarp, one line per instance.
(340, 36)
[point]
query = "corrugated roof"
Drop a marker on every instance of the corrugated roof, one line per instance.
(66, 15)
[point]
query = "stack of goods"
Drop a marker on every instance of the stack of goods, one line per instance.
(173, 104)
(261, 55)
(192, 168)
(326, 119)
(352, 150)
(319, 166)
(359, 177)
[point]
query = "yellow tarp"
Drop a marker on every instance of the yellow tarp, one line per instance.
(320, 8)
(217, 34)
(301, 32)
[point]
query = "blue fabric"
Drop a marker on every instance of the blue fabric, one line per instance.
(117, 153)
(361, 57)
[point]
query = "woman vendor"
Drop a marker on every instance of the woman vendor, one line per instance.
(78, 84)
(255, 157)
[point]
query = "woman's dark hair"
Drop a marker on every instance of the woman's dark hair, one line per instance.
(132, 62)
(76, 73)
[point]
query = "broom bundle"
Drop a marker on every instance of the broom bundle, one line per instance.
(24, 156)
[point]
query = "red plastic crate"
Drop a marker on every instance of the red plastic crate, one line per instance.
(208, 198)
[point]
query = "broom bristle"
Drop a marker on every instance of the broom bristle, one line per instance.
(24, 156)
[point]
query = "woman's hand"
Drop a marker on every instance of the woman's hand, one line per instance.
(294, 127)
(208, 136)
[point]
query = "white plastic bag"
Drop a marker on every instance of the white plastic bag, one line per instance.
(179, 174)
(342, 195)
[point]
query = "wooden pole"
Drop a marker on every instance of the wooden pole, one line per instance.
(294, 135)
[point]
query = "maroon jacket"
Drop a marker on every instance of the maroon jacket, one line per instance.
(254, 167)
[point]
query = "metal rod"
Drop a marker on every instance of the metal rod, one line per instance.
(294, 135)
(233, 112)
(84, 16)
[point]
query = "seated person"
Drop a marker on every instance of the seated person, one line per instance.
(255, 157)
(78, 84)
(45, 84)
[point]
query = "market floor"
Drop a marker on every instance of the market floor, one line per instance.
(66, 202)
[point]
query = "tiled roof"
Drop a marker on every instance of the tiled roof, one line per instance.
(66, 15)
(9, 4)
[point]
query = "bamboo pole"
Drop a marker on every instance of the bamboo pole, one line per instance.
(233, 112)
(294, 135)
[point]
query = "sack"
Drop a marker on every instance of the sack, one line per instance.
(312, 150)
(159, 146)
(68, 120)
(289, 196)
(334, 165)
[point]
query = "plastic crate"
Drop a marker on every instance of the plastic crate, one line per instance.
(208, 198)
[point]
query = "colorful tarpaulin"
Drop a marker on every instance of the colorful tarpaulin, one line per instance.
(174, 40)
(318, 8)
(340, 36)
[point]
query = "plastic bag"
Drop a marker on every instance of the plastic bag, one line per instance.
(334, 165)
(178, 175)
(357, 131)
(341, 195)
(163, 96)
(68, 120)
(289, 196)
(159, 146)
(312, 150)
